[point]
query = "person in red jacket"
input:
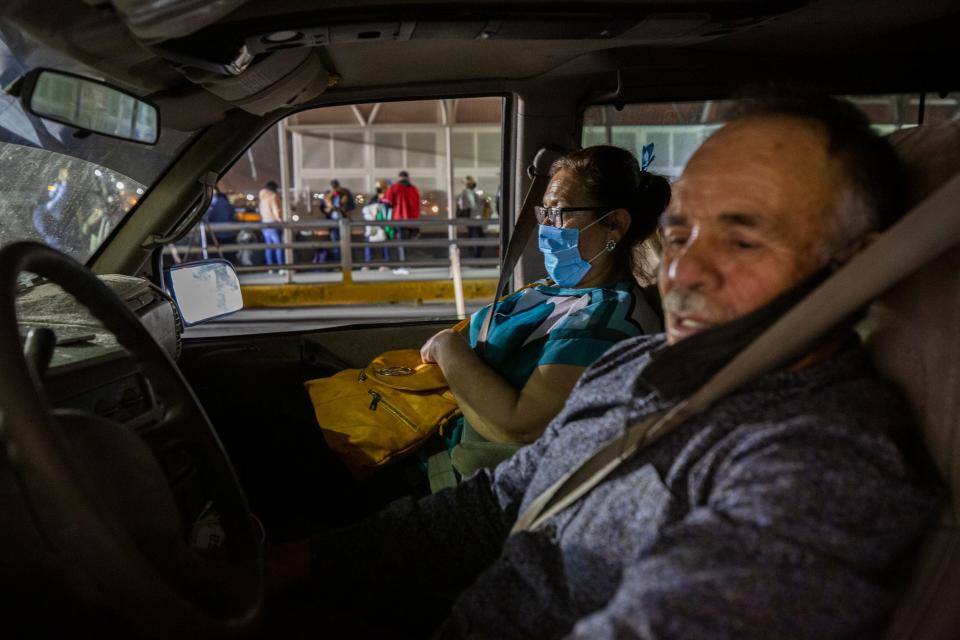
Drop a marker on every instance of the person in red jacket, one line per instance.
(405, 200)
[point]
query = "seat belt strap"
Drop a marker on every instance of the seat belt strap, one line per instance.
(926, 232)
(526, 223)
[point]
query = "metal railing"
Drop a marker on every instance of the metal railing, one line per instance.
(205, 240)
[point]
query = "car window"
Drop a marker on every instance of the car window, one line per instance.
(676, 129)
(66, 188)
(350, 205)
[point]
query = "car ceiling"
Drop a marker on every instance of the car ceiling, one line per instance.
(173, 51)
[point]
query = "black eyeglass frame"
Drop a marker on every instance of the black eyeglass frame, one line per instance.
(555, 214)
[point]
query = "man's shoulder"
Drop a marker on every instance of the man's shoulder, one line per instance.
(627, 357)
(637, 346)
(846, 381)
(843, 406)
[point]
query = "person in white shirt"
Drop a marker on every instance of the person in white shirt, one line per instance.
(271, 212)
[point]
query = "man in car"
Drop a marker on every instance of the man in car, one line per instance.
(783, 511)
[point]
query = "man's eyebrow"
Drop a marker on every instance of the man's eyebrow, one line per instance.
(730, 219)
(739, 219)
(668, 219)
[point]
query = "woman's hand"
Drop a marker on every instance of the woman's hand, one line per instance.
(437, 347)
(498, 411)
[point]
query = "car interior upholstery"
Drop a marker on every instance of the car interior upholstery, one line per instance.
(913, 340)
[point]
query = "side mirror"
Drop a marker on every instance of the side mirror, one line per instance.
(90, 105)
(204, 290)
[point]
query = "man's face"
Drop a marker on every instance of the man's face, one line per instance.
(748, 220)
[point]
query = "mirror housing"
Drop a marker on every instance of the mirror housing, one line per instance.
(204, 290)
(90, 105)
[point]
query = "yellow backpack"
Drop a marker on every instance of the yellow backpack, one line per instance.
(373, 416)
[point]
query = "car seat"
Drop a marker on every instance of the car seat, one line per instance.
(916, 343)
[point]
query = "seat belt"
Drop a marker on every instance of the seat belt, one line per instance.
(926, 232)
(526, 223)
(440, 469)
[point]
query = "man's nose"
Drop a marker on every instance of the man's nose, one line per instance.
(693, 267)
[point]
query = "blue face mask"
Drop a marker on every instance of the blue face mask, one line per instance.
(561, 253)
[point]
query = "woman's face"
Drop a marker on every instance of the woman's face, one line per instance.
(564, 190)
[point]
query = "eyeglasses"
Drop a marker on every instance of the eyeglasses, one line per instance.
(555, 214)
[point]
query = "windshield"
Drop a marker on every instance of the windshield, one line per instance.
(60, 186)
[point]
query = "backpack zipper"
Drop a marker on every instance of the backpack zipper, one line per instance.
(377, 400)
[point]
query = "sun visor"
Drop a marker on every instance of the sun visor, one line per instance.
(279, 79)
(157, 20)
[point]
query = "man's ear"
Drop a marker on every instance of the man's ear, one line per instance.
(844, 256)
(868, 240)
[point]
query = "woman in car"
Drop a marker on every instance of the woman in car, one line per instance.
(598, 207)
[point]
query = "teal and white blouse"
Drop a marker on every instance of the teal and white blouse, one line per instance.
(546, 324)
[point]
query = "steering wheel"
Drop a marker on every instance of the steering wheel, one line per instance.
(98, 491)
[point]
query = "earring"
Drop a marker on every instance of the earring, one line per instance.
(611, 245)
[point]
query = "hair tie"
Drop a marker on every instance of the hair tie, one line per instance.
(646, 156)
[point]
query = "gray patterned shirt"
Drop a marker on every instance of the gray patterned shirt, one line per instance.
(784, 511)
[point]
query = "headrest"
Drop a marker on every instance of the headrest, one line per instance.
(542, 162)
(914, 340)
(930, 154)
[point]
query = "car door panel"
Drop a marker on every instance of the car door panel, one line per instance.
(252, 389)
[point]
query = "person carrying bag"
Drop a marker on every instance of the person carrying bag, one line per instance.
(512, 371)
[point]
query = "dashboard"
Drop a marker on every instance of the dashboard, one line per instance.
(88, 369)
